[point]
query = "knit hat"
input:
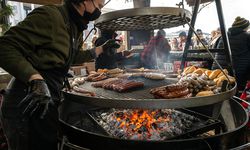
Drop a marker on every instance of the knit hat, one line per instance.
(240, 23)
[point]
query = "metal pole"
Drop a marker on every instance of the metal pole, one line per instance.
(224, 35)
(190, 33)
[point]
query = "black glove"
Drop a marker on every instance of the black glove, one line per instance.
(110, 44)
(37, 100)
(109, 47)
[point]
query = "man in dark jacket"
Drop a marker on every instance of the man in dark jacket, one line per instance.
(239, 40)
(240, 46)
(38, 53)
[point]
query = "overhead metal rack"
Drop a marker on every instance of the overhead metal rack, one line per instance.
(146, 18)
(42, 2)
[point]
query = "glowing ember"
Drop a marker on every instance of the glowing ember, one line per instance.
(143, 120)
(145, 124)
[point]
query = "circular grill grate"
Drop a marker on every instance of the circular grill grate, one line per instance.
(147, 18)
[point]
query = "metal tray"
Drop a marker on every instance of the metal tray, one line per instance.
(141, 98)
(146, 18)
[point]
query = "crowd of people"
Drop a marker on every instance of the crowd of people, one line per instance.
(159, 47)
(211, 41)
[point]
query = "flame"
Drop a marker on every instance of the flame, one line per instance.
(141, 120)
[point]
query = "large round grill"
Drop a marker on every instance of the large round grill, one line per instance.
(141, 98)
(147, 18)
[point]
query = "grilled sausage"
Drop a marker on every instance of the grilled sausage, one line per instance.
(131, 86)
(91, 76)
(173, 94)
(175, 87)
(117, 86)
(83, 91)
(99, 78)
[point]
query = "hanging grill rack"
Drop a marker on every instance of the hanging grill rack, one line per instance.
(146, 18)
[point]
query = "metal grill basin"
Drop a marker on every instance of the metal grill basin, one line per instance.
(147, 18)
(141, 98)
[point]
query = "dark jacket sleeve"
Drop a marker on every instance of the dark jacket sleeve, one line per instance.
(119, 56)
(84, 55)
(21, 40)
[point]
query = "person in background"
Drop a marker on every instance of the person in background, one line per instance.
(196, 42)
(174, 44)
(182, 40)
(35, 53)
(239, 40)
(109, 58)
(214, 41)
(157, 51)
(212, 35)
(217, 43)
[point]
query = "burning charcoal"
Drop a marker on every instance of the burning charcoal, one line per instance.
(103, 114)
(160, 125)
(132, 126)
(155, 136)
(106, 127)
(120, 134)
(140, 111)
(135, 137)
(143, 129)
(154, 125)
(119, 114)
(146, 124)
(166, 135)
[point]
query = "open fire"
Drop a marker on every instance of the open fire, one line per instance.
(140, 124)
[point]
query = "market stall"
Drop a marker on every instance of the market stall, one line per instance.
(125, 109)
(145, 109)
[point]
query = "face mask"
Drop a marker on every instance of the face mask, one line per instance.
(76, 17)
(92, 16)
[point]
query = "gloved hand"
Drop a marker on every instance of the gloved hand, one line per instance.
(109, 48)
(37, 100)
(110, 44)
